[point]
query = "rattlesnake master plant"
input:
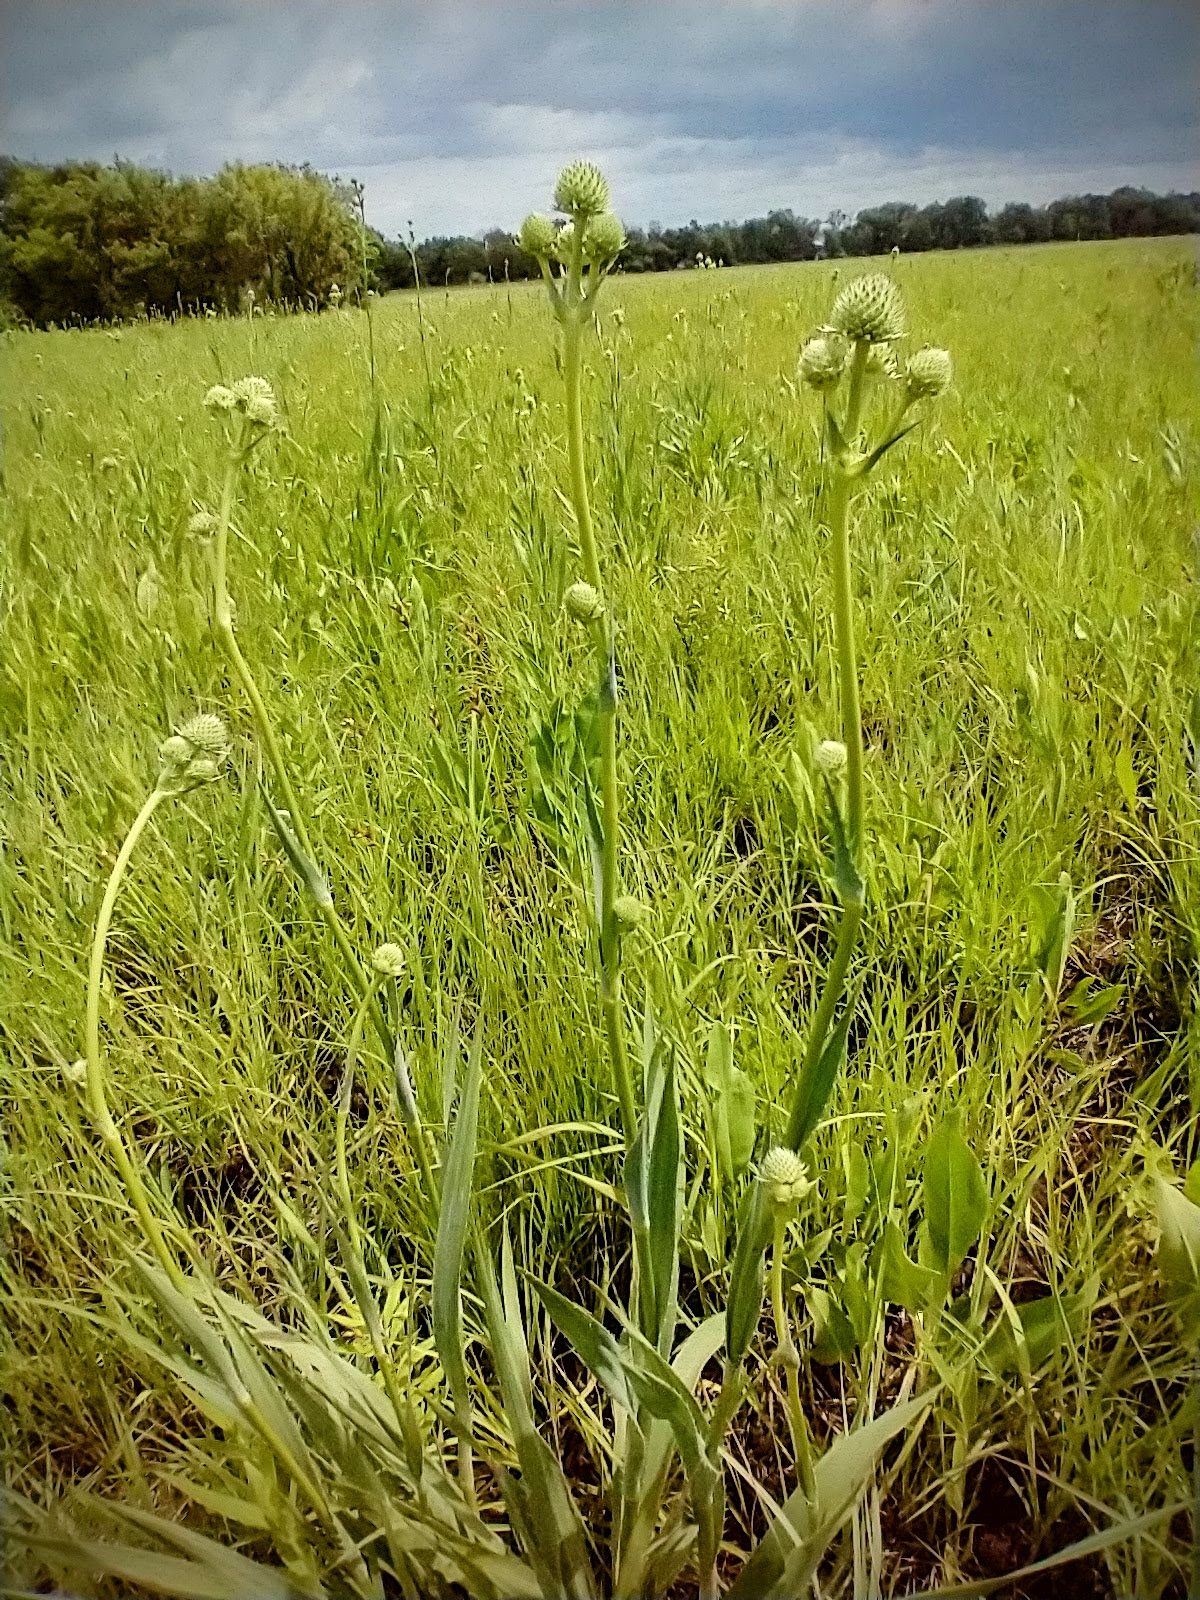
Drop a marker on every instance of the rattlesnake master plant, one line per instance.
(345, 1476)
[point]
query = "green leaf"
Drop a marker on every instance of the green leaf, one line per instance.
(592, 1343)
(744, 1306)
(1057, 915)
(453, 1212)
(1126, 777)
(1118, 1533)
(654, 1191)
(735, 1125)
(846, 878)
(816, 1085)
(304, 867)
(1045, 1325)
(834, 1339)
(785, 1558)
(540, 1502)
(956, 1197)
(1179, 1255)
(880, 451)
(901, 1279)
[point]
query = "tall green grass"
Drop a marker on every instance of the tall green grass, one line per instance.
(1028, 632)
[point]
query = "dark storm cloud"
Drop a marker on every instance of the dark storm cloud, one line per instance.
(458, 114)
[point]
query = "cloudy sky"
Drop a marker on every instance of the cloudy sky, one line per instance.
(458, 115)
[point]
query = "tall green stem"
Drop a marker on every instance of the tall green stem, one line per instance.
(96, 1095)
(223, 618)
(847, 671)
(603, 634)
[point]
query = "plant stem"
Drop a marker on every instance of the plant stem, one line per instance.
(97, 1099)
(223, 617)
(603, 633)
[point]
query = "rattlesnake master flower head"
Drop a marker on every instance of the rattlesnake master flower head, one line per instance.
(564, 243)
(201, 524)
(256, 401)
(605, 238)
(581, 190)
(881, 362)
(389, 960)
(928, 373)
(628, 913)
(583, 603)
(870, 308)
(219, 398)
(822, 363)
(193, 754)
(537, 236)
(830, 757)
(785, 1177)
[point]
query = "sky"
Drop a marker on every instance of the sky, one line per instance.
(458, 115)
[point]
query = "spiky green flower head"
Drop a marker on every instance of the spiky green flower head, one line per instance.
(881, 362)
(581, 191)
(564, 243)
(822, 363)
(604, 239)
(870, 308)
(928, 373)
(220, 398)
(202, 525)
(537, 236)
(193, 754)
(830, 757)
(388, 960)
(256, 401)
(628, 913)
(785, 1177)
(583, 603)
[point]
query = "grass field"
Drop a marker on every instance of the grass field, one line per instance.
(1026, 576)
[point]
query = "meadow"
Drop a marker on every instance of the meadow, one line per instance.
(1025, 568)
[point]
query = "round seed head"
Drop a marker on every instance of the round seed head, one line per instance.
(581, 190)
(628, 913)
(870, 308)
(219, 398)
(388, 960)
(605, 238)
(928, 373)
(785, 1177)
(537, 236)
(583, 603)
(830, 757)
(822, 363)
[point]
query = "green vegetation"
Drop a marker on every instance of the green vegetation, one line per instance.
(968, 1356)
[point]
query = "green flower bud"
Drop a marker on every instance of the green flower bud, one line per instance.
(201, 524)
(628, 913)
(830, 757)
(564, 243)
(605, 238)
(870, 308)
(389, 960)
(537, 236)
(928, 373)
(581, 190)
(822, 363)
(785, 1177)
(193, 754)
(219, 398)
(583, 603)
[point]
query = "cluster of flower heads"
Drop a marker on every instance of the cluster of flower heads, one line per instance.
(252, 398)
(193, 754)
(870, 311)
(581, 196)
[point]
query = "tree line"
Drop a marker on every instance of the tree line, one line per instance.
(86, 242)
